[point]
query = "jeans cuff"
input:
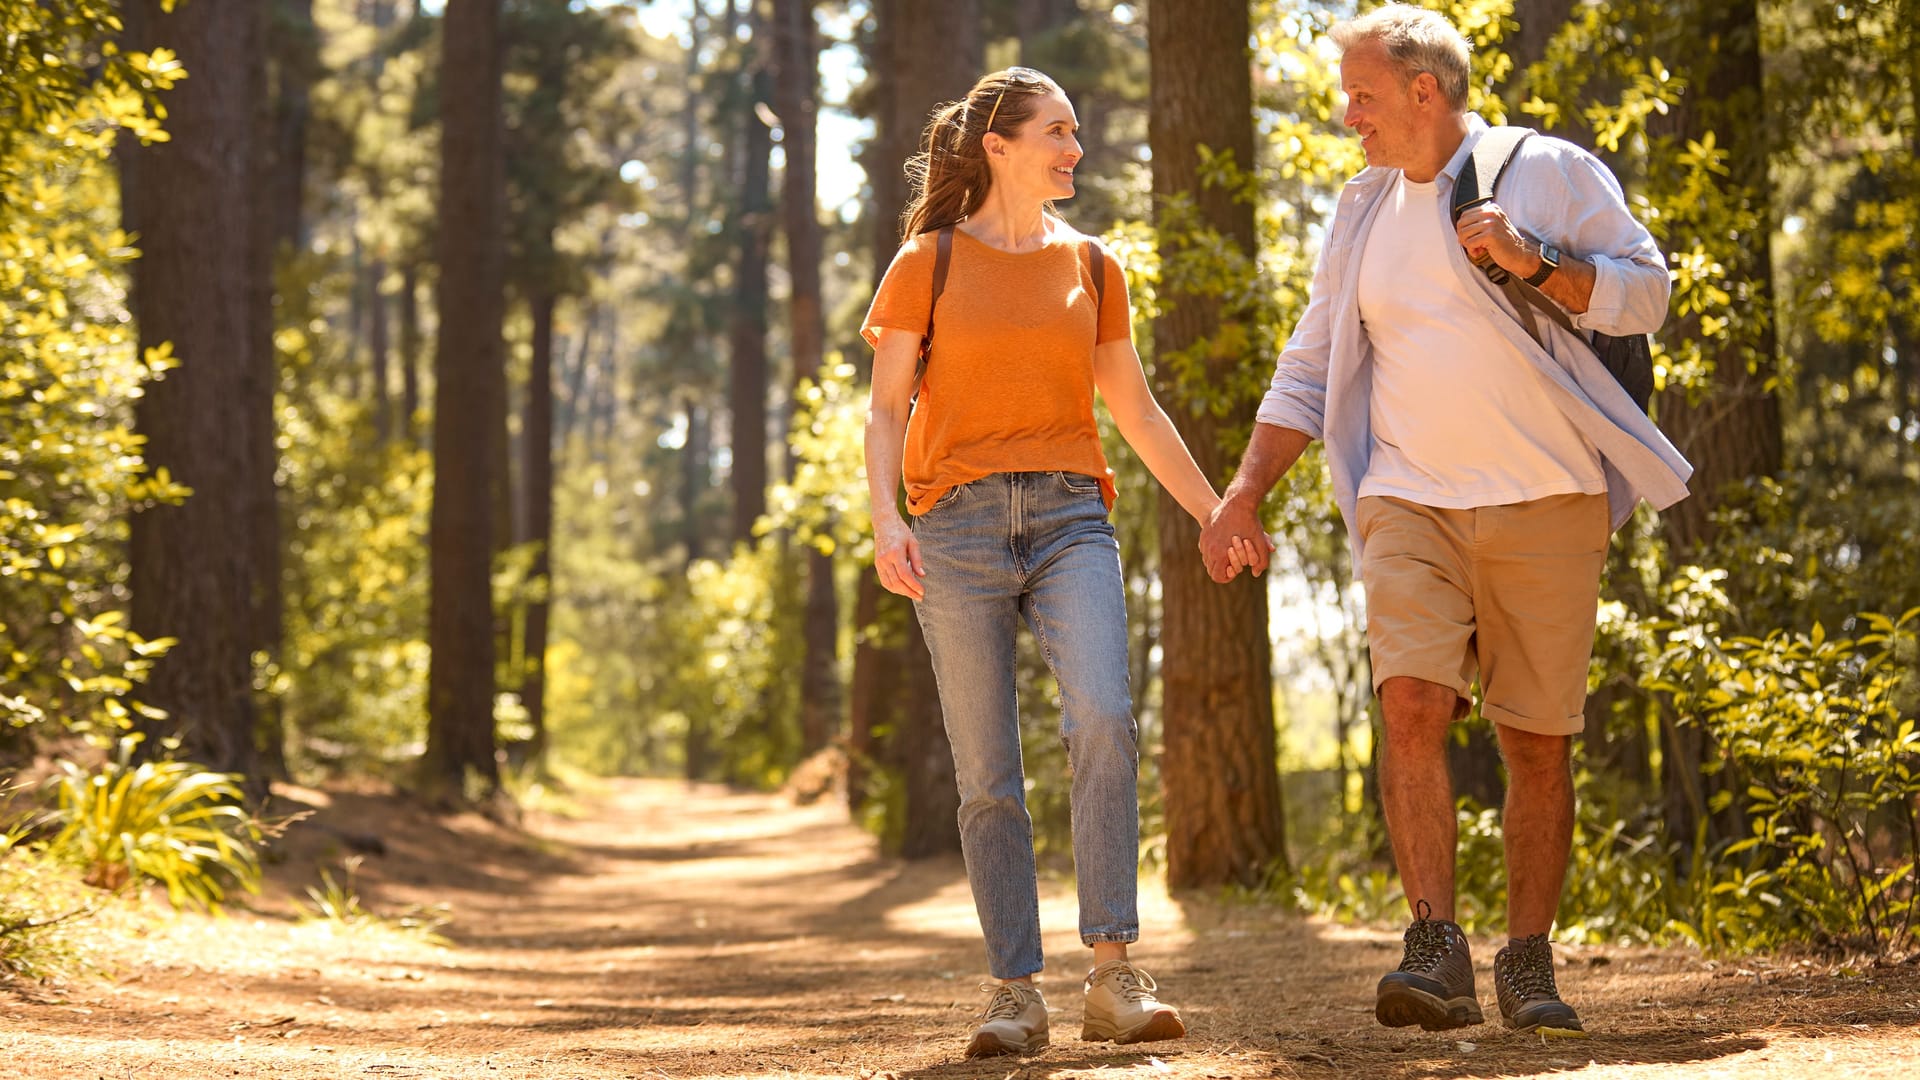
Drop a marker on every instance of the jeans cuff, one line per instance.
(1118, 937)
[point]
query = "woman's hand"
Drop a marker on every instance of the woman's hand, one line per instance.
(1244, 552)
(896, 558)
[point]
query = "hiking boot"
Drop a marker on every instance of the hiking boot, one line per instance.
(1015, 1021)
(1121, 1007)
(1523, 980)
(1434, 984)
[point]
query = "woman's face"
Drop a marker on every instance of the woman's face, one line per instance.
(1038, 160)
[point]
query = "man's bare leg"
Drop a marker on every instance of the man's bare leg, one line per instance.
(1416, 790)
(1538, 825)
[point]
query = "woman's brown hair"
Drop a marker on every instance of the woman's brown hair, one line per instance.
(948, 178)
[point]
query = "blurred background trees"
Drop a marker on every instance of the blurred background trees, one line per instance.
(467, 393)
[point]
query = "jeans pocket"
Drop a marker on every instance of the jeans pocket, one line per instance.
(1078, 484)
(946, 499)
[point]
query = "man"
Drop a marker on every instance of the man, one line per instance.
(1480, 473)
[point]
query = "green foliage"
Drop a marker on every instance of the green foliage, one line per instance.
(1818, 733)
(164, 821)
(354, 664)
(42, 903)
(336, 902)
(70, 465)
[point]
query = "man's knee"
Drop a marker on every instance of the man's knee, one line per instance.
(1415, 712)
(1530, 755)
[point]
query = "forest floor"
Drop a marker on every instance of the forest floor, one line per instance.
(668, 932)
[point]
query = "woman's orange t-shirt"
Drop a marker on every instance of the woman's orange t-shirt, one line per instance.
(1009, 383)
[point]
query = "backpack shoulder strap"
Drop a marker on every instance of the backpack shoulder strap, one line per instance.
(942, 255)
(1097, 260)
(1484, 165)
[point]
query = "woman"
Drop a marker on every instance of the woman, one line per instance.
(1009, 492)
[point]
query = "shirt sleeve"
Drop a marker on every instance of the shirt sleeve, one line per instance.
(1116, 308)
(1631, 283)
(1297, 397)
(904, 300)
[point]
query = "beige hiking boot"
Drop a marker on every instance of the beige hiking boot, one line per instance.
(1015, 1021)
(1121, 1007)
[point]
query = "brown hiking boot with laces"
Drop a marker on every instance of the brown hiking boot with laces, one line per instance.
(1434, 984)
(1015, 1021)
(1529, 1001)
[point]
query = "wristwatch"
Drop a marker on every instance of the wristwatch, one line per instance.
(1549, 262)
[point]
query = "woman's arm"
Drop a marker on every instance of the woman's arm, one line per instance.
(1123, 386)
(896, 554)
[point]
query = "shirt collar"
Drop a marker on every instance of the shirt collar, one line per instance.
(1476, 127)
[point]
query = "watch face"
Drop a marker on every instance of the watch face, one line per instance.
(1550, 255)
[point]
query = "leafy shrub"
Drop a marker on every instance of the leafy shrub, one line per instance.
(41, 905)
(1821, 732)
(165, 821)
(337, 902)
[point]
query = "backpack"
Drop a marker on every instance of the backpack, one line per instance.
(1628, 359)
(943, 254)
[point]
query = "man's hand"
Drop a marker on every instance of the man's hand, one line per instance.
(896, 558)
(1486, 232)
(1234, 519)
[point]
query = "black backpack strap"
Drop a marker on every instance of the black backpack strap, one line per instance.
(1481, 173)
(942, 256)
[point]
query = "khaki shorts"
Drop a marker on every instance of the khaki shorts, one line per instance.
(1511, 592)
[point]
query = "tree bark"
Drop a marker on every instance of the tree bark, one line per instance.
(747, 325)
(537, 482)
(924, 56)
(1733, 432)
(410, 351)
(377, 337)
(797, 56)
(1224, 815)
(194, 568)
(469, 397)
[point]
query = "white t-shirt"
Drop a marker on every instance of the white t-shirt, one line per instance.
(1460, 418)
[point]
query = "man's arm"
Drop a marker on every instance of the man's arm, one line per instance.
(1270, 453)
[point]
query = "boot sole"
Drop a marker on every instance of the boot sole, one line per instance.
(1404, 1006)
(987, 1044)
(1164, 1025)
(1549, 1029)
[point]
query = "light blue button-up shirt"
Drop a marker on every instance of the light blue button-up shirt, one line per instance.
(1553, 191)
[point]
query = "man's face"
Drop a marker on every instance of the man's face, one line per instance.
(1381, 109)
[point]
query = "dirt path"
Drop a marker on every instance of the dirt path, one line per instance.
(681, 933)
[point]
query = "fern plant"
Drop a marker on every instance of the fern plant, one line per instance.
(166, 821)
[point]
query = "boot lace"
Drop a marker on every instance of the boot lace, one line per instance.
(1427, 942)
(1528, 971)
(1007, 1000)
(1135, 985)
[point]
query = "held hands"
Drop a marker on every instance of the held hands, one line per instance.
(896, 558)
(1233, 540)
(1486, 232)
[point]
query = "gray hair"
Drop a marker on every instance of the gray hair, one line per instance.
(1416, 40)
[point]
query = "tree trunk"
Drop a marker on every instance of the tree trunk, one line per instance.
(469, 396)
(797, 56)
(1224, 815)
(925, 56)
(1732, 433)
(293, 54)
(747, 326)
(377, 345)
(410, 350)
(537, 483)
(194, 568)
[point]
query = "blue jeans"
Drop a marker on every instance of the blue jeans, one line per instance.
(1034, 545)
